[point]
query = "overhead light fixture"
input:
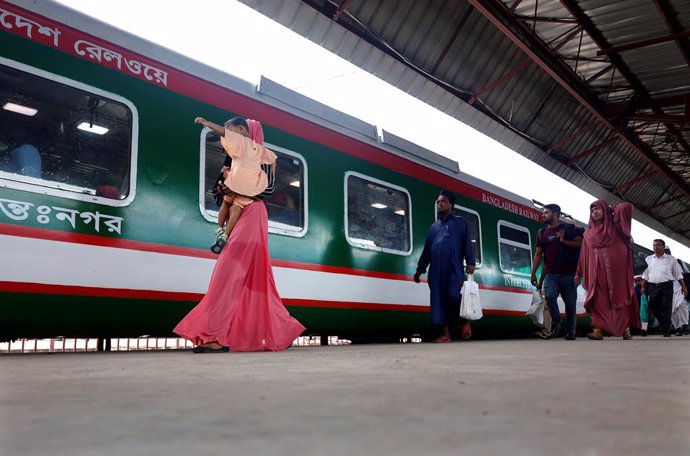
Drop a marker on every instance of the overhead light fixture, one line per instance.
(400, 212)
(19, 109)
(92, 128)
(295, 183)
(379, 206)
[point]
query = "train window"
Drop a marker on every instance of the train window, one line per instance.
(286, 207)
(64, 138)
(515, 248)
(472, 219)
(640, 255)
(377, 215)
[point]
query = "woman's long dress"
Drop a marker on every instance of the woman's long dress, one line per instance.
(242, 309)
(607, 274)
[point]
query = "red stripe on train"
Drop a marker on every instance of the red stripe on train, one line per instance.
(71, 290)
(353, 305)
(371, 306)
(100, 241)
(74, 290)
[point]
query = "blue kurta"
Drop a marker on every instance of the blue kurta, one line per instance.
(447, 244)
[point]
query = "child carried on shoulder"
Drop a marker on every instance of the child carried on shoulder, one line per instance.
(242, 140)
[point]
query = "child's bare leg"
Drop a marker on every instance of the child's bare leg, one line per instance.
(235, 212)
(223, 214)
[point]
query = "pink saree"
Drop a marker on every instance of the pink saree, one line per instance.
(242, 309)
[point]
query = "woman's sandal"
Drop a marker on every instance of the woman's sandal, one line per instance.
(597, 334)
(205, 349)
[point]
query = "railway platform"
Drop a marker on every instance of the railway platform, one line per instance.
(481, 398)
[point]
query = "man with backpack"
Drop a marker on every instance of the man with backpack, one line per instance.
(558, 243)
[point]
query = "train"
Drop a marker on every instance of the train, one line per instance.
(107, 213)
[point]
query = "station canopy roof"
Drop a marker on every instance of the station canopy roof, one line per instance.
(596, 91)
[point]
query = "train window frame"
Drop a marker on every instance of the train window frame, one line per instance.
(479, 223)
(353, 241)
(67, 191)
(500, 240)
(273, 227)
(639, 261)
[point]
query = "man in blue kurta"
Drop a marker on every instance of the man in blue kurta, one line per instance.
(448, 243)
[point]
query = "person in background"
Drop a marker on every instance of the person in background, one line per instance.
(644, 308)
(25, 160)
(110, 188)
(679, 312)
(448, 243)
(606, 269)
(558, 244)
(662, 270)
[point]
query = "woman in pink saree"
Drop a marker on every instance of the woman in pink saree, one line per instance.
(606, 270)
(242, 310)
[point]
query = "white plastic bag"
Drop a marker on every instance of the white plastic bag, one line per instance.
(470, 306)
(536, 310)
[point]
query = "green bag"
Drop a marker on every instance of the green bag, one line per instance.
(644, 313)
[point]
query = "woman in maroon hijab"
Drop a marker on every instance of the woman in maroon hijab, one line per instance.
(606, 270)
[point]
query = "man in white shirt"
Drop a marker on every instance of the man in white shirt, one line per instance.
(662, 270)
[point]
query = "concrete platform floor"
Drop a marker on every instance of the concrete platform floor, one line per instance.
(480, 398)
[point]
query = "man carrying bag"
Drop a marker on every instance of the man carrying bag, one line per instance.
(559, 244)
(448, 243)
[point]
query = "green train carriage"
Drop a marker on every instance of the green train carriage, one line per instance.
(111, 237)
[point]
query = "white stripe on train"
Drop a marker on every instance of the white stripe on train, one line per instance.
(30, 260)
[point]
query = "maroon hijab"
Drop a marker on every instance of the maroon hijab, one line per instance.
(616, 223)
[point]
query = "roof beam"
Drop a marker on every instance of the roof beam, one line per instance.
(643, 148)
(451, 41)
(685, 211)
(666, 201)
(570, 137)
(496, 82)
(673, 100)
(678, 120)
(643, 43)
(600, 73)
(341, 9)
(663, 11)
(558, 20)
(493, 9)
(515, 5)
(593, 150)
(518, 69)
(632, 182)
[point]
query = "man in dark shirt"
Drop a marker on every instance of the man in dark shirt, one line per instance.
(559, 244)
(448, 244)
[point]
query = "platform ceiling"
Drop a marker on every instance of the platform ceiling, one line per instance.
(595, 91)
